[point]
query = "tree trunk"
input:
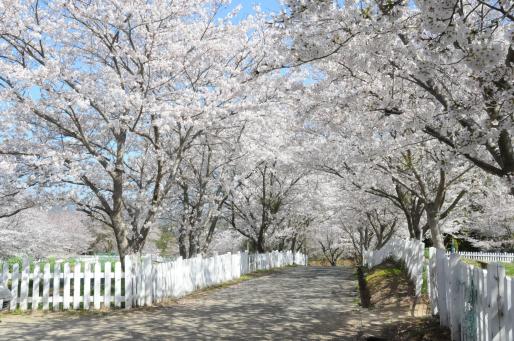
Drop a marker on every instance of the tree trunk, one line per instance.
(433, 224)
(363, 288)
(192, 250)
(259, 245)
(194, 244)
(182, 244)
(260, 248)
(116, 215)
(293, 244)
(120, 233)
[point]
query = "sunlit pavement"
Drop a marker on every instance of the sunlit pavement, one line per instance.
(300, 303)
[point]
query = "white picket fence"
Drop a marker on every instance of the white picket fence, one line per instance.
(476, 304)
(410, 252)
(487, 256)
(93, 285)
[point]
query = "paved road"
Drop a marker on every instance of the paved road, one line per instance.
(294, 304)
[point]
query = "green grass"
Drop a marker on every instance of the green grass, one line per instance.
(475, 263)
(378, 274)
(424, 286)
(382, 273)
(509, 267)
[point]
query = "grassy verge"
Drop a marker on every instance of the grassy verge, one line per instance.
(475, 263)
(509, 267)
(392, 292)
(381, 273)
(386, 280)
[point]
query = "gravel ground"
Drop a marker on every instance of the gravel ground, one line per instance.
(299, 303)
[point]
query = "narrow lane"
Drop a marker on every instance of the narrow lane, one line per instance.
(294, 304)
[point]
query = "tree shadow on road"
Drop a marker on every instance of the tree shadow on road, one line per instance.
(295, 304)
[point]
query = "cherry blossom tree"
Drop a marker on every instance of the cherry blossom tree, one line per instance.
(111, 96)
(412, 80)
(261, 205)
(474, 40)
(204, 181)
(16, 194)
(332, 243)
(40, 233)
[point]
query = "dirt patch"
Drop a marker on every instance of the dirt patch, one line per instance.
(417, 329)
(392, 293)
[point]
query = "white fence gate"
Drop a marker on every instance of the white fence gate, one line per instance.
(97, 285)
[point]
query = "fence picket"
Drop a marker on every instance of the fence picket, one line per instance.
(476, 282)
(24, 284)
(117, 285)
(485, 301)
(494, 318)
(148, 280)
(76, 286)
(87, 285)
(507, 307)
(129, 280)
(66, 287)
(96, 289)
(107, 284)
(511, 314)
(35, 288)
(46, 286)
(14, 286)
(56, 286)
(454, 296)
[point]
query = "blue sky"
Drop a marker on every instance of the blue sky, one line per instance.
(266, 6)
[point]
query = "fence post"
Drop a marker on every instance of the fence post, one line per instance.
(35, 287)
(46, 286)
(24, 285)
(495, 288)
(478, 305)
(118, 284)
(66, 288)
(510, 317)
(87, 284)
(14, 286)
(96, 285)
(431, 279)
(442, 272)
(147, 280)
(56, 286)
(454, 296)
(107, 284)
